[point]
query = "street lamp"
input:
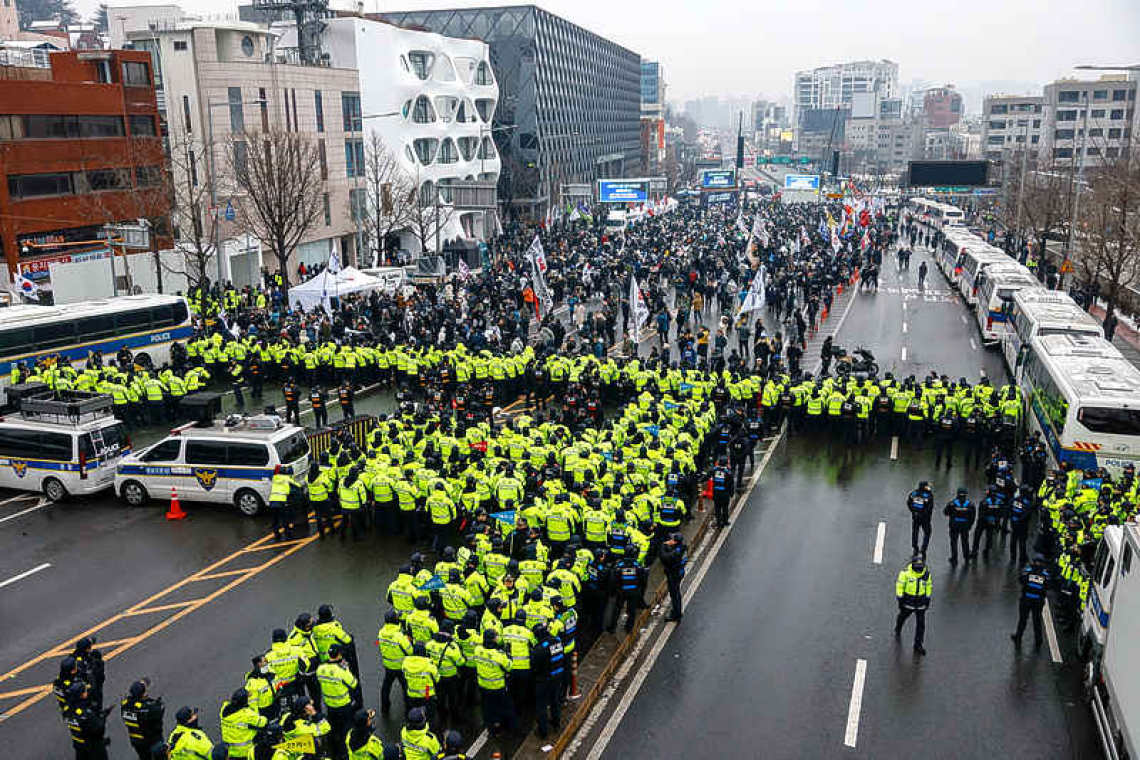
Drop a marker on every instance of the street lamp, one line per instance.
(360, 169)
(210, 106)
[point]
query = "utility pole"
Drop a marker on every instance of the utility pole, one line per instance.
(1021, 181)
(1076, 192)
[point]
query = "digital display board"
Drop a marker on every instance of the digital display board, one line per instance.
(935, 173)
(622, 191)
(801, 182)
(714, 179)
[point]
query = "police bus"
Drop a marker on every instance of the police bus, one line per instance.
(934, 214)
(1084, 397)
(976, 260)
(1037, 312)
(998, 285)
(146, 324)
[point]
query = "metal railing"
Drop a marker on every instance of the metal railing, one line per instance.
(26, 59)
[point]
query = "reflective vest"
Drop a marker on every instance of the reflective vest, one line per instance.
(285, 661)
(420, 675)
(351, 496)
(189, 744)
(239, 729)
(337, 683)
(491, 668)
(279, 488)
(394, 646)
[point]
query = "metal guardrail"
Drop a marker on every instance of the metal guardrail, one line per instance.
(25, 59)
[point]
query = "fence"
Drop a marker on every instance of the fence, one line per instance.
(358, 427)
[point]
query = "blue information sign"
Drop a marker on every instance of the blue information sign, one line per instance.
(619, 191)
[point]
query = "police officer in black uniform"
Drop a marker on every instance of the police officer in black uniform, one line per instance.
(722, 491)
(920, 502)
(548, 666)
(990, 510)
(319, 399)
(674, 558)
(628, 580)
(1020, 510)
(346, 394)
(142, 715)
(738, 451)
(87, 722)
(292, 401)
(1034, 586)
(89, 667)
(962, 514)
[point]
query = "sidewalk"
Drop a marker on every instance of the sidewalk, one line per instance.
(1126, 338)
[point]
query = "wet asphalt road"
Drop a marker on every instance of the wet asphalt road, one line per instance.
(107, 559)
(764, 663)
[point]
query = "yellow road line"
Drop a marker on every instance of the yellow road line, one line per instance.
(160, 608)
(122, 645)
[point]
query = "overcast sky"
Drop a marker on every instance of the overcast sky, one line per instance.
(736, 48)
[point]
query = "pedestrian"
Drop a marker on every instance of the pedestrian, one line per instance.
(913, 589)
(1034, 587)
(142, 715)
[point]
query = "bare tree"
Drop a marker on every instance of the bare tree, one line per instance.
(1108, 230)
(390, 194)
(280, 194)
(195, 226)
(427, 214)
(1045, 205)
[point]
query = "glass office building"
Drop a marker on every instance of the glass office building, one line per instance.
(574, 97)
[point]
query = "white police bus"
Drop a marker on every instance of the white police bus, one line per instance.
(1084, 397)
(934, 214)
(1040, 311)
(998, 285)
(146, 324)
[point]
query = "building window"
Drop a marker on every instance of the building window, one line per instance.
(136, 74)
(1037, 124)
(186, 114)
(487, 149)
(328, 209)
(1117, 114)
(423, 112)
(1097, 113)
(421, 63)
(1035, 139)
(39, 185)
(1068, 96)
(106, 179)
(319, 106)
(296, 121)
(1100, 94)
(1111, 152)
(1092, 151)
(11, 127)
(447, 152)
(241, 158)
(148, 176)
(237, 116)
(995, 140)
(1066, 116)
(999, 109)
(997, 125)
(1114, 133)
(324, 159)
(483, 74)
(425, 149)
(263, 105)
(350, 108)
(1062, 153)
(1118, 95)
(357, 204)
(192, 162)
(180, 46)
(354, 157)
(1096, 132)
(143, 126)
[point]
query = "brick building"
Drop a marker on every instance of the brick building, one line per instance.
(79, 148)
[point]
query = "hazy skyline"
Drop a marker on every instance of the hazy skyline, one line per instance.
(730, 49)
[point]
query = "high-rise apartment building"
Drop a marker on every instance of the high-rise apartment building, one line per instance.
(835, 86)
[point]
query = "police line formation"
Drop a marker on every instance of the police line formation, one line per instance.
(561, 514)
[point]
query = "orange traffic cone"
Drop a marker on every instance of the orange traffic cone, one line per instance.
(841, 288)
(574, 693)
(175, 512)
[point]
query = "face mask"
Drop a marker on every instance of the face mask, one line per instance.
(265, 669)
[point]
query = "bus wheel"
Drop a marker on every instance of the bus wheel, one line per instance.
(134, 494)
(54, 490)
(248, 502)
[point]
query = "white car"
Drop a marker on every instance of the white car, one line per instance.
(225, 463)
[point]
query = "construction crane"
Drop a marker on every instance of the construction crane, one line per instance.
(309, 16)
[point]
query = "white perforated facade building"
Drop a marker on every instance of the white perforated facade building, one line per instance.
(443, 94)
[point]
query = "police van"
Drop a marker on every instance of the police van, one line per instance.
(230, 462)
(61, 444)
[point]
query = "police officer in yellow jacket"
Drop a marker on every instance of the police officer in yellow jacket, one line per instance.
(240, 722)
(340, 691)
(187, 741)
(913, 589)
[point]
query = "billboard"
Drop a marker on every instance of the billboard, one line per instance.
(719, 198)
(937, 173)
(801, 182)
(623, 191)
(716, 179)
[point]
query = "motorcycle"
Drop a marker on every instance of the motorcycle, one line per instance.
(860, 362)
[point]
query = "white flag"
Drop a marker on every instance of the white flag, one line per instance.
(464, 271)
(638, 311)
(537, 269)
(756, 296)
(537, 255)
(334, 263)
(740, 225)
